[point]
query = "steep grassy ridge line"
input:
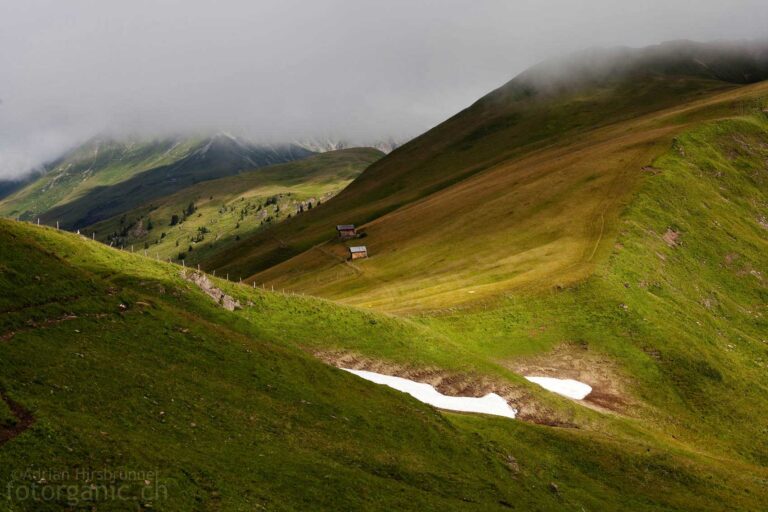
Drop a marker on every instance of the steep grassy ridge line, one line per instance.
(231, 416)
(493, 130)
(672, 331)
(234, 207)
(670, 326)
(675, 317)
(533, 222)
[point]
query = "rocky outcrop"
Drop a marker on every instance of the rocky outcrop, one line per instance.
(205, 284)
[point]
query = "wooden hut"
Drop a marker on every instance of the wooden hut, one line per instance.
(360, 251)
(346, 231)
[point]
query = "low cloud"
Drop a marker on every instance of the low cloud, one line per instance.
(278, 70)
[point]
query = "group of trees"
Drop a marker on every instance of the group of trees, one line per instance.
(258, 207)
(187, 212)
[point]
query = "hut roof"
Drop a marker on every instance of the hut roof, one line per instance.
(344, 227)
(358, 248)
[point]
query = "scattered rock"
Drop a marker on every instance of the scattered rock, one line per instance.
(671, 238)
(512, 464)
(553, 488)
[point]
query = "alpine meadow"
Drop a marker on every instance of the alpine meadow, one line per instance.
(556, 299)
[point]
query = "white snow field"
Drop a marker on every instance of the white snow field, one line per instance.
(489, 404)
(566, 387)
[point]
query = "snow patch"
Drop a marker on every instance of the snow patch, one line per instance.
(489, 404)
(567, 387)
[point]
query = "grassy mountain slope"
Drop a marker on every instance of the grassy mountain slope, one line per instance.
(125, 365)
(626, 249)
(520, 189)
(105, 177)
(539, 220)
(669, 328)
(229, 208)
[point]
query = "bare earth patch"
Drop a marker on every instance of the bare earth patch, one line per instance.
(575, 361)
(24, 419)
(453, 384)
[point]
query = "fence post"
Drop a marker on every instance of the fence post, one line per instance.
(57, 224)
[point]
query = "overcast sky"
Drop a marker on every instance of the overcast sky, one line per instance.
(282, 69)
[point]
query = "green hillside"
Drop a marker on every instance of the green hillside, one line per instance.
(200, 220)
(105, 177)
(521, 190)
(125, 365)
(605, 222)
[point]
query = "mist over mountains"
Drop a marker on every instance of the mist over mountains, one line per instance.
(275, 72)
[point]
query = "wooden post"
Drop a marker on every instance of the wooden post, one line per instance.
(93, 236)
(182, 264)
(38, 221)
(131, 247)
(145, 253)
(227, 276)
(198, 267)
(214, 272)
(57, 224)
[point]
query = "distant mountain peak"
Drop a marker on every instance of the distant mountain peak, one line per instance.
(323, 145)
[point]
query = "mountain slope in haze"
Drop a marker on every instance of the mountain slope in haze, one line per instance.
(321, 145)
(105, 177)
(521, 189)
(122, 364)
(201, 219)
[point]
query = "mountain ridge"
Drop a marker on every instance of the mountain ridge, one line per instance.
(105, 176)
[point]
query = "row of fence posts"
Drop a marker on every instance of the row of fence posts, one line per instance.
(183, 263)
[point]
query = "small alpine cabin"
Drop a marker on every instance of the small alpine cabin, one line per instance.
(346, 231)
(360, 251)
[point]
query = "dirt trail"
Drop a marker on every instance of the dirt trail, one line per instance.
(24, 419)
